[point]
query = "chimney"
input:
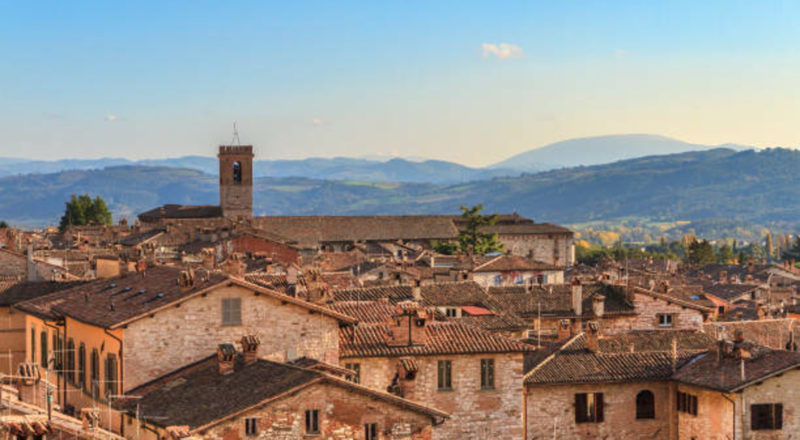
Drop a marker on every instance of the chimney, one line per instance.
(564, 330)
(742, 370)
(577, 298)
(738, 336)
(209, 260)
(250, 345)
(592, 336)
(723, 277)
(186, 279)
(416, 290)
(90, 418)
(226, 356)
(598, 305)
(408, 325)
(235, 266)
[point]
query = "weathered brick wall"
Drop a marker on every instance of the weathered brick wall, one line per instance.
(475, 413)
(549, 248)
(488, 279)
(647, 307)
(780, 389)
(177, 336)
(342, 415)
(551, 412)
(714, 419)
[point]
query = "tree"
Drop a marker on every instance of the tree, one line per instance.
(83, 210)
(769, 245)
(471, 240)
(445, 247)
(793, 252)
(3, 224)
(724, 254)
(700, 253)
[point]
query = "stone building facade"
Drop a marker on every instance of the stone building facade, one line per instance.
(236, 181)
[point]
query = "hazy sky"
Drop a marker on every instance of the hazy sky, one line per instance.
(468, 82)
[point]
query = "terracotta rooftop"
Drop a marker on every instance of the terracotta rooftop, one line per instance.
(634, 357)
(507, 263)
(729, 292)
(312, 230)
(180, 211)
(442, 338)
(724, 373)
(25, 290)
(198, 396)
(557, 300)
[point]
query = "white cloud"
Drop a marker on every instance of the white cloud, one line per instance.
(503, 51)
(111, 118)
(317, 121)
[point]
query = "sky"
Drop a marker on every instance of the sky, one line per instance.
(470, 82)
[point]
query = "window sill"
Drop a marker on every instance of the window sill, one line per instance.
(445, 390)
(488, 388)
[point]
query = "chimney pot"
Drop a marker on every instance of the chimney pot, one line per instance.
(577, 298)
(226, 357)
(598, 305)
(250, 344)
(592, 337)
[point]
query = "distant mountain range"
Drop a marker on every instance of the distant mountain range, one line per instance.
(340, 168)
(599, 150)
(723, 183)
(574, 152)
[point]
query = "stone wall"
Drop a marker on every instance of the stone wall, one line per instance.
(555, 249)
(713, 420)
(342, 415)
(551, 412)
(475, 413)
(780, 389)
(179, 335)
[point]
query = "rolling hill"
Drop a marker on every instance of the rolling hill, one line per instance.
(755, 187)
(599, 150)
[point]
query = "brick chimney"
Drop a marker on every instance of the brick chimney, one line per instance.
(577, 297)
(592, 337)
(186, 279)
(564, 330)
(89, 418)
(598, 305)
(408, 325)
(416, 290)
(226, 357)
(723, 277)
(250, 345)
(235, 266)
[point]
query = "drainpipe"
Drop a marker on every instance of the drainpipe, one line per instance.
(733, 418)
(64, 392)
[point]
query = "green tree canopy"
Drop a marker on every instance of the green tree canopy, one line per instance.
(3, 224)
(793, 252)
(83, 210)
(699, 253)
(471, 240)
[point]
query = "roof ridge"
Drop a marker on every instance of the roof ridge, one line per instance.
(551, 356)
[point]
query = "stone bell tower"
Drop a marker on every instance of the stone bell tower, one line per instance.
(236, 180)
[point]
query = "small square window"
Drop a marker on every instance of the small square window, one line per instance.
(356, 369)
(588, 408)
(251, 426)
(665, 320)
(766, 416)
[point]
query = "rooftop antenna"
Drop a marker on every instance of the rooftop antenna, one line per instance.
(235, 140)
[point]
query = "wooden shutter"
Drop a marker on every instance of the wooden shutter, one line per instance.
(778, 416)
(598, 407)
(580, 407)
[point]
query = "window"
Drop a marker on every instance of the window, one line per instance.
(56, 353)
(589, 408)
(111, 375)
(237, 172)
(686, 403)
(766, 416)
(519, 280)
(43, 347)
(664, 320)
(371, 431)
(498, 280)
(95, 369)
(312, 421)
(33, 345)
(540, 279)
(70, 355)
(251, 426)
(445, 375)
(451, 312)
(82, 366)
(645, 405)
(231, 311)
(355, 368)
(487, 374)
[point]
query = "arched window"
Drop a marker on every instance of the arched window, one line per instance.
(82, 366)
(237, 172)
(70, 356)
(645, 405)
(43, 346)
(95, 373)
